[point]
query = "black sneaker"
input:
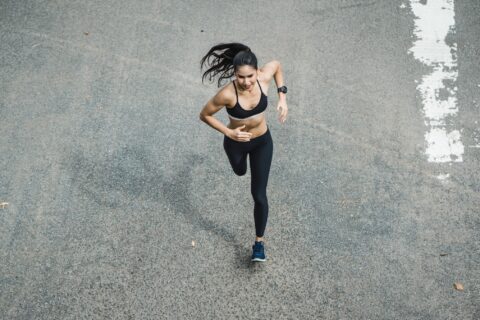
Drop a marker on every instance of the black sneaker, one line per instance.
(258, 251)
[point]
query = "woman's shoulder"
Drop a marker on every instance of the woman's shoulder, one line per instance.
(267, 71)
(226, 94)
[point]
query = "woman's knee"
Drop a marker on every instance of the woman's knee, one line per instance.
(260, 198)
(240, 171)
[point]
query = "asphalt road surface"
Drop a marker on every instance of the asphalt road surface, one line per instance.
(116, 202)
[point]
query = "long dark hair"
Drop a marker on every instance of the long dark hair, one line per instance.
(224, 58)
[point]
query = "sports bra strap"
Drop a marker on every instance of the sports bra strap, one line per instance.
(236, 93)
(260, 86)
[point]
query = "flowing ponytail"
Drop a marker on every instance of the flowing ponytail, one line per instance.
(224, 58)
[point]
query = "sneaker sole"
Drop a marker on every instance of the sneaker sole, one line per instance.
(259, 260)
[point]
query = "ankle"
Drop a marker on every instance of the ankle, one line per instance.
(258, 239)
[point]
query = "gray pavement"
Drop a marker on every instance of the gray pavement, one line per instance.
(110, 177)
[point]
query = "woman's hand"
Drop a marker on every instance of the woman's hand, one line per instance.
(282, 108)
(238, 135)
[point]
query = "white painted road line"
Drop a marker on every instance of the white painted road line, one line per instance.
(434, 21)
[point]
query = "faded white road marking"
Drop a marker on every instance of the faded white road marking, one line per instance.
(434, 21)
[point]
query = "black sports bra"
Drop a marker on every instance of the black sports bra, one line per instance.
(238, 112)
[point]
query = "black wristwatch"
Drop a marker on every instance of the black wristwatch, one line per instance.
(282, 89)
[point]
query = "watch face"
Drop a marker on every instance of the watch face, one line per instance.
(282, 89)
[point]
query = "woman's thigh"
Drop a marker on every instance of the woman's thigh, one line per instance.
(260, 162)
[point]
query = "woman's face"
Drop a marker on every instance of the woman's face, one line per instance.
(246, 77)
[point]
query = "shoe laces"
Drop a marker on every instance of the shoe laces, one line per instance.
(257, 247)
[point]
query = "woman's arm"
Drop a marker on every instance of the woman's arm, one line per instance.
(213, 106)
(273, 69)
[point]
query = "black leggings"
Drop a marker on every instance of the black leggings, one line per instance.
(260, 150)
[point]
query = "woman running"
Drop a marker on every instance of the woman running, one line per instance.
(247, 133)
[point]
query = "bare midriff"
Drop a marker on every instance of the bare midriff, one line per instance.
(256, 125)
